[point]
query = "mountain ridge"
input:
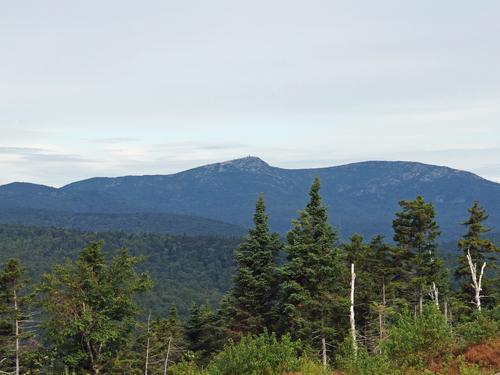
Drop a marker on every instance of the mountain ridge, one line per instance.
(363, 196)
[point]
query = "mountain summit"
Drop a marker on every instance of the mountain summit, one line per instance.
(250, 164)
(362, 197)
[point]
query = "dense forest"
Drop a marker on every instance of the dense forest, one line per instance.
(186, 269)
(304, 304)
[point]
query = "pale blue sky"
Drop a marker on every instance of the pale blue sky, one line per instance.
(140, 87)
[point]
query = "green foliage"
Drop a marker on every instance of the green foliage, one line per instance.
(362, 363)
(257, 355)
(89, 307)
(186, 368)
(469, 369)
(415, 339)
(480, 326)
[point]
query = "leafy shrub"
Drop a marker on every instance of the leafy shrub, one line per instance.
(258, 355)
(362, 363)
(185, 368)
(481, 327)
(415, 340)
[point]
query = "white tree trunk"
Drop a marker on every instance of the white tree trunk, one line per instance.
(323, 352)
(446, 310)
(435, 294)
(352, 320)
(146, 365)
(165, 364)
(16, 312)
(476, 282)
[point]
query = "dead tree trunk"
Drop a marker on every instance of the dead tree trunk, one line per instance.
(146, 365)
(420, 302)
(165, 364)
(446, 310)
(16, 312)
(476, 282)
(435, 294)
(323, 352)
(352, 320)
(382, 311)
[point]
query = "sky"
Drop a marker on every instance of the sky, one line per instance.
(121, 87)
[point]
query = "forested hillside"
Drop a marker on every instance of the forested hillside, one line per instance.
(186, 270)
(131, 223)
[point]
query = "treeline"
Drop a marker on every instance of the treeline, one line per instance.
(361, 307)
(173, 224)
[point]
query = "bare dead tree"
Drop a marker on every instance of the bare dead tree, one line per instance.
(434, 293)
(165, 365)
(16, 313)
(323, 352)
(476, 282)
(352, 320)
(146, 365)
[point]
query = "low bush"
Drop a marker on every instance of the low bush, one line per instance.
(414, 341)
(258, 355)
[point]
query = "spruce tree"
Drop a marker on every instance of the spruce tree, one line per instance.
(416, 232)
(252, 298)
(312, 288)
(481, 250)
(205, 334)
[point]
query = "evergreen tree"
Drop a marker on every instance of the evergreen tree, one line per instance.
(252, 298)
(204, 332)
(89, 308)
(312, 288)
(481, 250)
(415, 232)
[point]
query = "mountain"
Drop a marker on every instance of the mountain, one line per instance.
(127, 222)
(363, 197)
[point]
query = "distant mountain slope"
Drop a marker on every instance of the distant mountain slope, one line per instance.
(133, 223)
(363, 196)
(185, 269)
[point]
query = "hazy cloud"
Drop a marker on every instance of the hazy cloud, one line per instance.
(125, 87)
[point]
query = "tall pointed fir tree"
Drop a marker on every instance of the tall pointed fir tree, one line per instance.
(416, 232)
(251, 301)
(481, 250)
(311, 289)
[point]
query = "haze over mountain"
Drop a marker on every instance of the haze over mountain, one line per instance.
(363, 197)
